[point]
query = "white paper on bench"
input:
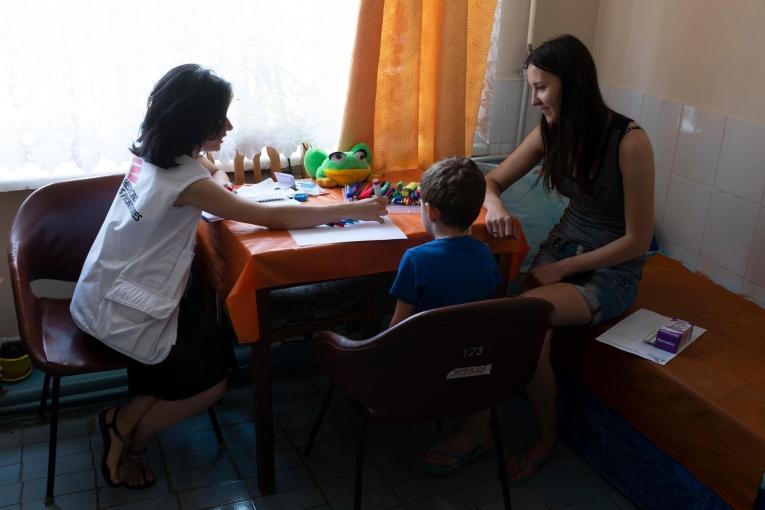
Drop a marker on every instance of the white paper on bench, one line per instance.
(361, 231)
(629, 333)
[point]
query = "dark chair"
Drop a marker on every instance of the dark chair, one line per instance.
(443, 363)
(50, 238)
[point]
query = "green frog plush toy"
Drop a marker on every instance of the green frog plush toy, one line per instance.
(339, 168)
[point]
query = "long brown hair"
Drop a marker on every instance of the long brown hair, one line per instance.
(575, 143)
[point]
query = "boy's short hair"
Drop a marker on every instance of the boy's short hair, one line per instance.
(456, 187)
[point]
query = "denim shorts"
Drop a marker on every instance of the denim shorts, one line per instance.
(608, 291)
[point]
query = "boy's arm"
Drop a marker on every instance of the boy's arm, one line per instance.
(403, 310)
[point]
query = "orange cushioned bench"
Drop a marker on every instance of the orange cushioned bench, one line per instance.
(706, 407)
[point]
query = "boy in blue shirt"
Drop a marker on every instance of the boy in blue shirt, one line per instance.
(452, 269)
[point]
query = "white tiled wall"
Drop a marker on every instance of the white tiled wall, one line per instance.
(710, 188)
(710, 181)
(504, 119)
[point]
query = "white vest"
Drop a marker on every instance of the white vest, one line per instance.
(136, 272)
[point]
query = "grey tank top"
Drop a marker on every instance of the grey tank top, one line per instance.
(597, 218)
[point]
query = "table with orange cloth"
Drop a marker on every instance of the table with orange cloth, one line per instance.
(243, 262)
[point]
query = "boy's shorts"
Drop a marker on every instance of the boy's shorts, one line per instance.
(608, 291)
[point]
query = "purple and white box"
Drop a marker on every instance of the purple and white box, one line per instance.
(671, 336)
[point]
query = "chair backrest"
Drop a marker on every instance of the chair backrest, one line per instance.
(446, 362)
(50, 237)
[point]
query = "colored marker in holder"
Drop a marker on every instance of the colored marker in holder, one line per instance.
(399, 193)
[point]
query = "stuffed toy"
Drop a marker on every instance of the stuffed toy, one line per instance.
(339, 168)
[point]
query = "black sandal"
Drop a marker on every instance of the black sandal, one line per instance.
(140, 459)
(106, 438)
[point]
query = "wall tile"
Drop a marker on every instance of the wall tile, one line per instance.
(661, 119)
(480, 149)
(755, 272)
(661, 185)
(497, 110)
(691, 260)
(729, 231)
(532, 120)
(754, 292)
(511, 111)
(625, 101)
(685, 213)
(741, 170)
(721, 276)
(698, 144)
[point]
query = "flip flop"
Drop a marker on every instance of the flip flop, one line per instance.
(460, 459)
(534, 466)
(140, 459)
(106, 438)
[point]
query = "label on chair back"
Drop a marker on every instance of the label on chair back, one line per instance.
(473, 371)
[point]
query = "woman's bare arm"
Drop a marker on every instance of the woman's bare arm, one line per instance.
(499, 222)
(208, 195)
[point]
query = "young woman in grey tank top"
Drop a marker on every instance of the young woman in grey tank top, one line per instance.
(591, 263)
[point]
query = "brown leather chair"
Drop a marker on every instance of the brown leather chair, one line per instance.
(443, 363)
(50, 238)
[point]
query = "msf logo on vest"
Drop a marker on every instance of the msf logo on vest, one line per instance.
(135, 169)
(127, 192)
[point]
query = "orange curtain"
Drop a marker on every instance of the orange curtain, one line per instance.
(416, 79)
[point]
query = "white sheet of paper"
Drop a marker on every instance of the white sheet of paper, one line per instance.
(286, 180)
(265, 191)
(210, 217)
(629, 333)
(361, 231)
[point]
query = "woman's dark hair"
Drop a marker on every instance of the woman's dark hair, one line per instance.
(575, 143)
(186, 108)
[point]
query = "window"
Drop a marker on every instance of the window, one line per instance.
(76, 75)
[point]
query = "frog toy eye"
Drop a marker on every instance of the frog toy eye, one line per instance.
(360, 154)
(336, 156)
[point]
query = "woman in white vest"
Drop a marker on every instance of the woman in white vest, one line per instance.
(129, 295)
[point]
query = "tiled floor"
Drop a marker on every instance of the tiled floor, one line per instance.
(193, 473)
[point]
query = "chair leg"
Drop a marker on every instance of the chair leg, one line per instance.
(53, 440)
(501, 468)
(44, 397)
(317, 424)
(216, 426)
(360, 464)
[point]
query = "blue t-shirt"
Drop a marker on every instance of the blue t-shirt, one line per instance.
(448, 271)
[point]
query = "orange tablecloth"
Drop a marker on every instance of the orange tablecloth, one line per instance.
(242, 258)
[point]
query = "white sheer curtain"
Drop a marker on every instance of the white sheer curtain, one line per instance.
(75, 75)
(483, 121)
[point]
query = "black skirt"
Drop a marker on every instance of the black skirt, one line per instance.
(201, 358)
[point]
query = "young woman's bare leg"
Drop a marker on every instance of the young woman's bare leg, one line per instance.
(161, 415)
(570, 309)
(127, 418)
